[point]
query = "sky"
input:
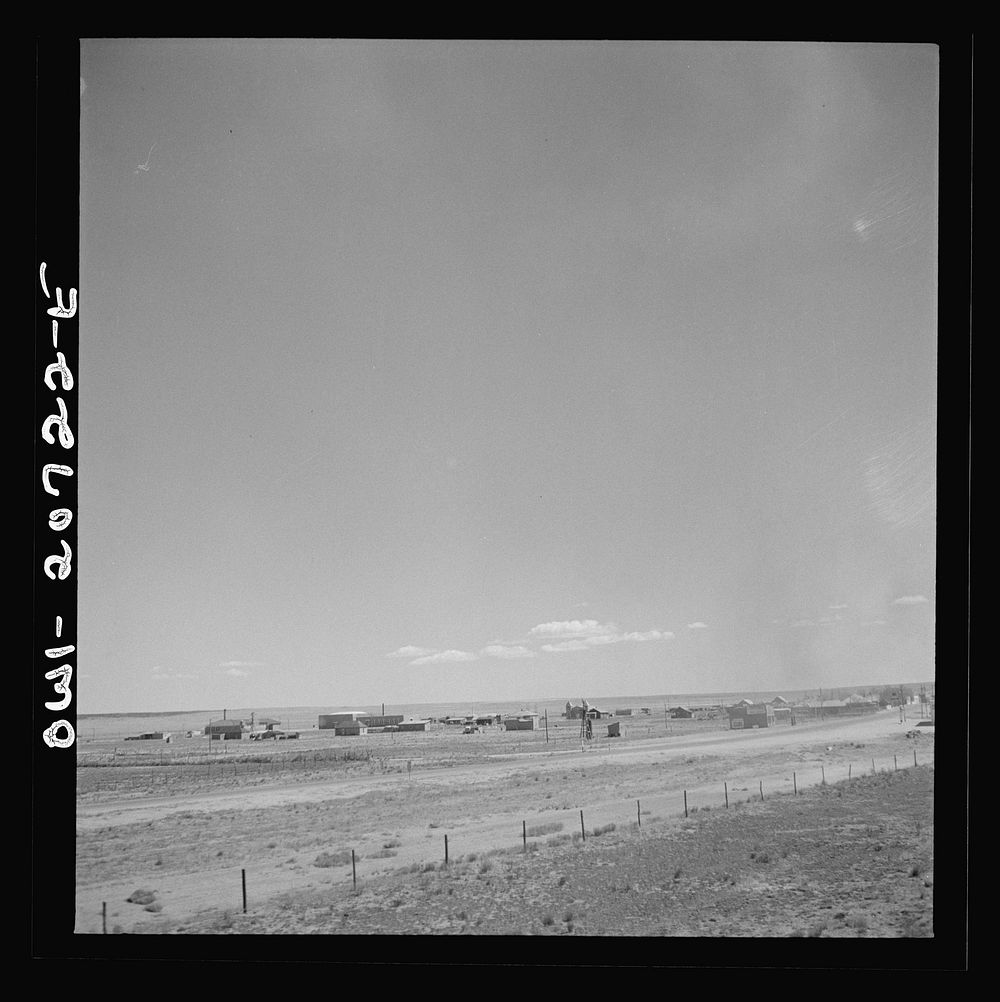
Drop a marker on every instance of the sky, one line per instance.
(435, 371)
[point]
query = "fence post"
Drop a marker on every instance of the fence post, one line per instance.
(524, 834)
(104, 917)
(822, 770)
(638, 813)
(244, 872)
(895, 764)
(446, 848)
(914, 756)
(873, 767)
(848, 770)
(685, 803)
(725, 789)
(795, 788)
(354, 871)
(762, 789)
(583, 831)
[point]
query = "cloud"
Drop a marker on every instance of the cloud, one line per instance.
(698, 626)
(237, 672)
(440, 656)
(610, 635)
(241, 664)
(566, 645)
(572, 628)
(910, 600)
(411, 652)
(506, 651)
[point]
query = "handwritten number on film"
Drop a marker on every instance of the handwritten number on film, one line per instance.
(58, 566)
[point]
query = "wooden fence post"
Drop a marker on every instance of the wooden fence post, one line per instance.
(822, 770)
(685, 803)
(583, 831)
(524, 834)
(873, 767)
(795, 788)
(848, 770)
(638, 813)
(762, 789)
(244, 872)
(895, 764)
(104, 917)
(914, 756)
(354, 871)
(725, 789)
(446, 848)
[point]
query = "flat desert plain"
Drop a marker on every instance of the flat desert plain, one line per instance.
(821, 829)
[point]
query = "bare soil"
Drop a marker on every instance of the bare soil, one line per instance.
(819, 855)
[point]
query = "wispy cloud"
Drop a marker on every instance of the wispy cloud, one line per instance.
(237, 672)
(566, 645)
(910, 600)
(241, 664)
(411, 652)
(608, 634)
(441, 656)
(698, 626)
(506, 651)
(572, 628)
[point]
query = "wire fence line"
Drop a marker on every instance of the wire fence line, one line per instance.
(629, 813)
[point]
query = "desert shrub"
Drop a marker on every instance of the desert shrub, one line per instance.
(559, 840)
(548, 920)
(325, 859)
(141, 897)
(381, 854)
(604, 829)
(915, 871)
(561, 882)
(485, 865)
(393, 843)
(545, 829)
(677, 873)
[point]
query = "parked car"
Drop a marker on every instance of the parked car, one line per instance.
(287, 735)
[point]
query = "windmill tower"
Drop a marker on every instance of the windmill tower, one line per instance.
(586, 728)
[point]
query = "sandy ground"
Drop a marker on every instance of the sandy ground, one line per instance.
(191, 847)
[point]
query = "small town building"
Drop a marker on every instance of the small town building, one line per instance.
(681, 713)
(412, 725)
(521, 722)
(615, 729)
(746, 715)
(349, 728)
(330, 721)
(382, 720)
(225, 730)
(623, 713)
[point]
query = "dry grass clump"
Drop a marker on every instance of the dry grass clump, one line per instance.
(545, 829)
(604, 829)
(325, 859)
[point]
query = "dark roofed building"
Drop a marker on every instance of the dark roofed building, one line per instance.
(225, 730)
